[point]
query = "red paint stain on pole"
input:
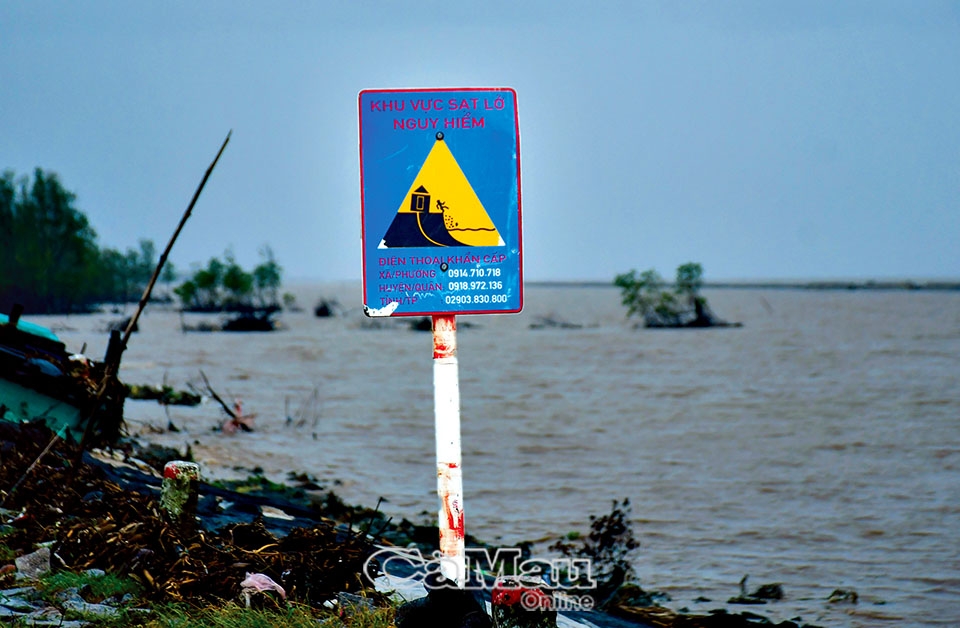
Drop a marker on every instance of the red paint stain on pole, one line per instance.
(452, 509)
(444, 336)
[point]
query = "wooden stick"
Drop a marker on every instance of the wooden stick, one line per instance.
(163, 258)
(113, 364)
(217, 398)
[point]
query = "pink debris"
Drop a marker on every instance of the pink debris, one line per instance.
(239, 421)
(255, 582)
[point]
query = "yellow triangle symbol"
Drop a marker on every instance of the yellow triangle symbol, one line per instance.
(441, 189)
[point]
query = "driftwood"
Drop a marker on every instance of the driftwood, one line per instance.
(213, 395)
(236, 420)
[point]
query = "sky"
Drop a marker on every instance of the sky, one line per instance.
(765, 140)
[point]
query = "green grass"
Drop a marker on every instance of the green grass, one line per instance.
(98, 589)
(234, 616)
(182, 615)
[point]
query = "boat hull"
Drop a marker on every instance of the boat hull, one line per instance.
(22, 405)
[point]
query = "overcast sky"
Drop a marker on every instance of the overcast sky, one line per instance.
(762, 139)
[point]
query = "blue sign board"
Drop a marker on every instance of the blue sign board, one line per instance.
(440, 201)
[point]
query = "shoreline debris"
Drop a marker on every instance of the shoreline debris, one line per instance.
(260, 583)
(97, 522)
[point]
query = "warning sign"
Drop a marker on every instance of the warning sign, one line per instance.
(441, 208)
(440, 201)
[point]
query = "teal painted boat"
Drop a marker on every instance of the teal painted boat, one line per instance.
(31, 328)
(41, 381)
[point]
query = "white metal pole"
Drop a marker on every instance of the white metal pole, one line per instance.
(446, 400)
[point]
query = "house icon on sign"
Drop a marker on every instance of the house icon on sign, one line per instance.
(420, 200)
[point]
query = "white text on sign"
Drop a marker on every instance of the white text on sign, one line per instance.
(400, 283)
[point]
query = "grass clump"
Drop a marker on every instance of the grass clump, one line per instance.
(234, 616)
(95, 587)
(182, 615)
